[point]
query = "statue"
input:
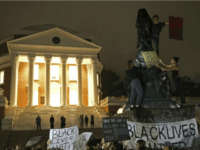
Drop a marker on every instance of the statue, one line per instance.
(155, 82)
(144, 26)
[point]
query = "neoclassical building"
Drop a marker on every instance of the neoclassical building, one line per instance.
(49, 65)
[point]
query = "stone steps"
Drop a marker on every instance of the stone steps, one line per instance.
(25, 117)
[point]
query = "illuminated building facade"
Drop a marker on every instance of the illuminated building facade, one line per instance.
(48, 65)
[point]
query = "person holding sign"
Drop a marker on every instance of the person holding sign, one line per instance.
(174, 68)
(136, 88)
(175, 76)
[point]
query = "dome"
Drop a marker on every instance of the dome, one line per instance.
(44, 27)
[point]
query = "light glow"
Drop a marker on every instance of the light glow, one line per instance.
(97, 79)
(1, 77)
(55, 94)
(54, 72)
(73, 94)
(73, 73)
(36, 72)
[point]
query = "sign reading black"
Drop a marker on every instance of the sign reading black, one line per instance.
(115, 129)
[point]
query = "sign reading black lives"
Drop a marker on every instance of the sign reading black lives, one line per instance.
(115, 129)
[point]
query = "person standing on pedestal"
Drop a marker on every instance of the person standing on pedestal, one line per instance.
(38, 121)
(136, 88)
(174, 68)
(156, 29)
(52, 122)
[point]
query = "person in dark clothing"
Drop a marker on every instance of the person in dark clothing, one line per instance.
(174, 68)
(136, 88)
(92, 121)
(83, 119)
(52, 122)
(62, 122)
(86, 121)
(118, 145)
(156, 29)
(38, 122)
(61, 119)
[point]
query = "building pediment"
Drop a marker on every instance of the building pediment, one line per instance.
(54, 40)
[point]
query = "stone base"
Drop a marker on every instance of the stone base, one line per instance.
(155, 103)
(159, 115)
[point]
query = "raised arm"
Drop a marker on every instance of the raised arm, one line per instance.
(169, 66)
(170, 69)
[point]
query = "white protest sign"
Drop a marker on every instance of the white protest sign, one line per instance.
(81, 142)
(63, 138)
(87, 135)
(180, 134)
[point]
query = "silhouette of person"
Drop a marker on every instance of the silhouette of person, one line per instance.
(52, 122)
(38, 122)
(92, 121)
(86, 121)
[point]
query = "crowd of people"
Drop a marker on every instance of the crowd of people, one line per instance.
(85, 120)
(94, 145)
(82, 120)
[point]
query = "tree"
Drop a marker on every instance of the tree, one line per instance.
(110, 84)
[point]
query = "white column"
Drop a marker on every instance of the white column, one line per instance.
(94, 74)
(79, 80)
(64, 82)
(31, 59)
(48, 80)
(90, 85)
(14, 80)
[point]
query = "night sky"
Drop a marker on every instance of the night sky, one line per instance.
(112, 25)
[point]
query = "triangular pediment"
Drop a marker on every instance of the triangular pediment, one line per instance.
(45, 38)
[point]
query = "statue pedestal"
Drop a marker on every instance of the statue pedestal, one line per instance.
(159, 115)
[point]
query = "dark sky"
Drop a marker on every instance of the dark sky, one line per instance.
(113, 26)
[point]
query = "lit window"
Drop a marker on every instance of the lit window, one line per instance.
(72, 73)
(97, 79)
(54, 72)
(2, 77)
(36, 72)
(73, 95)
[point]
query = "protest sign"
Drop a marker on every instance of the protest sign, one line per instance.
(115, 129)
(87, 135)
(180, 134)
(63, 138)
(81, 142)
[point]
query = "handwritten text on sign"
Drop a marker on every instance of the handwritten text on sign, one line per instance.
(63, 138)
(115, 129)
(180, 134)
